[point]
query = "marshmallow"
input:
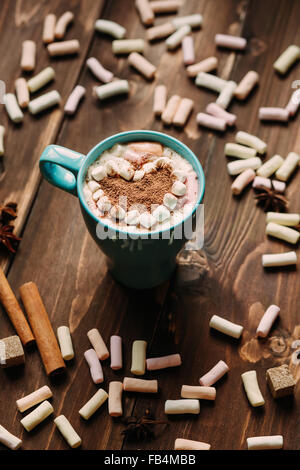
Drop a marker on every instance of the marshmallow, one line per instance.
(49, 28)
(37, 416)
(226, 94)
(147, 220)
(99, 172)
(117, 87)
(188, 50)
(165, 6)
(62, 24)
(206, 65)
(139, 385)
(116, 361)
(160, 99)
(104, 204)
(194, 21)
(141, 64)
(188, 444)
(93, 404)
(33, 398)
(22, 92)
(246, 85)
(267, 321)
(111, 168)
(126, 172)
(159, 32)
(211, 122)
(9, 440)
(145, 11)
(12, 108)
(132, 217)
(170, 201)
(212, 82)
(178, 188)
(176, 38)
(68, 432)
(74, 99)
(170, 109)
(283, 219)
(138, 361)
(186, 406)
(65, 343)
(225, 326)
(279, 259)
(238, 166)
(147, 147)
(252, 389)
(270, 166)
(214, 374)
(238, 151)
(243, 179)
(41, 79)
(273, 114)
(2, 132)
(93, 186)
(94, 365)
(183, 112)
(63, 48)
(99, 71)
(110, 27)
(251, 141)
(215, 110)
(260, 182)
(287, 59)
(157, 363)
(161, 214)
(180, 175)
(288, 166)
(125, 46)
(230, 42)
(98, 344)
(293, 103)
(117, 212)
(265, 442)
(28, 56)
(283, 233)
(115, 399)
(48, 100)
(201, 393)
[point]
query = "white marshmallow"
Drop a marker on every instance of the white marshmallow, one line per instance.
(178, 188)
(97, 194)
(94, 186)
(170, 201)
(148, 167)
(138, 175)
(147, 220)
(117, 212)
(161, 214)
(12, 107)
(126, 172)
(132, 217)
(180, 175)
(99, 173)
(111, 168)
(104, 204)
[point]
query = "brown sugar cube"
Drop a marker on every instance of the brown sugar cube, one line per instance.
(11, 351)
(280, 381)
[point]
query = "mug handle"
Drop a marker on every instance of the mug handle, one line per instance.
(60, 166)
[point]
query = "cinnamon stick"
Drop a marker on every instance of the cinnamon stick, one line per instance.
(41, 326)
(13, 310)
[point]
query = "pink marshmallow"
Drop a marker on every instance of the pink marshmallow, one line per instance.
(134, 157)
(273, 114)
(94, 365)
(116, 361)
(188, 50)
(155, 363)
(211, 122)
(74, 99)
(267, 321)
(261, 182)
(294, 103)
(215, 110)
(99, 71)
(230, 42)
(191, 184)
(214, 374)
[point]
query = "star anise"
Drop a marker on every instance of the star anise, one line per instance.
(141, 428)
(271, 200)
(7, 238)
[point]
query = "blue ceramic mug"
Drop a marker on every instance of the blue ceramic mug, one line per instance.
(135, 260)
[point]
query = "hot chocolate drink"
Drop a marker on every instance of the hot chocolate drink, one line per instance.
(141, 187)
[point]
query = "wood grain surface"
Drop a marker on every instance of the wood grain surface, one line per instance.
(224, 278)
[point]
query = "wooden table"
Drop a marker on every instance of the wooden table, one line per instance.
(225, 278)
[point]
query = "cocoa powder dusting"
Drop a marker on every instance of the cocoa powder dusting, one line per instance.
(148, 191)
